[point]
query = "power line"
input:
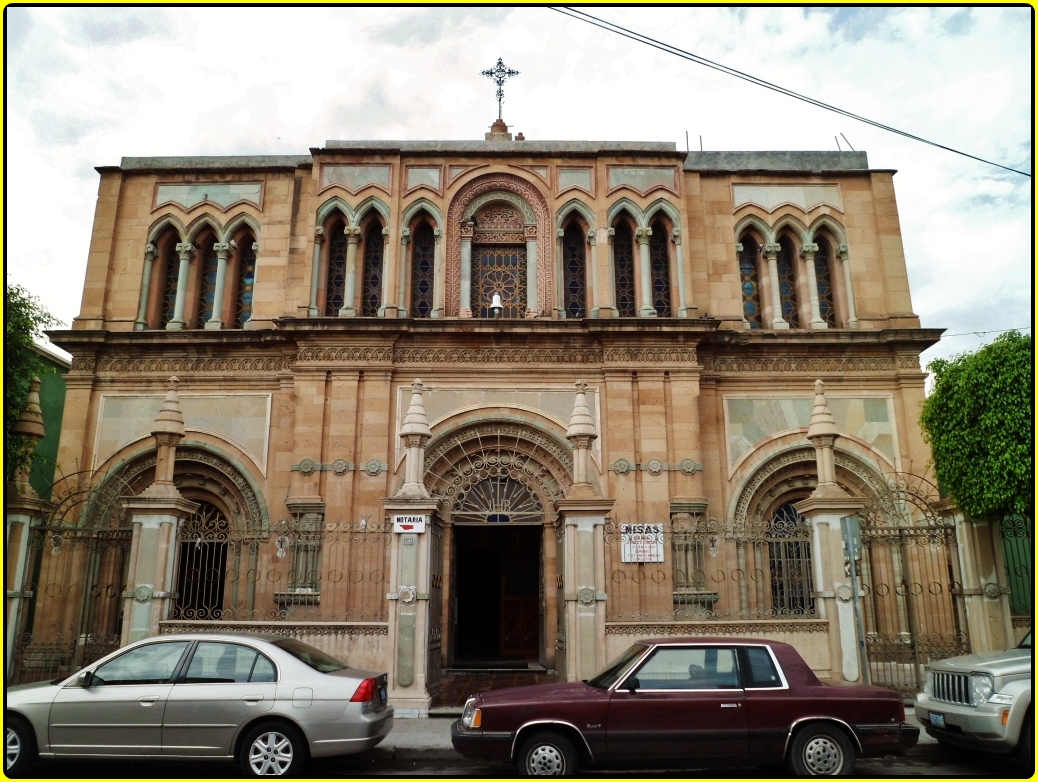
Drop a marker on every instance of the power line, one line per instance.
(982, 333)
(612, 27)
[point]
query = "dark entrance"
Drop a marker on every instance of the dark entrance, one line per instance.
(497, 593)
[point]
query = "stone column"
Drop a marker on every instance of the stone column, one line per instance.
(401, 285)
(679, 265)
(185, 252)
(596, 296)
(738, 265)
(465, 305)
(824, 508)
(608, 310)
(150, 252)
(157, 513)
(560, 276)
(845, 261)
(223, 250)
(348, 309)
(438, 304)
(315, 274)
(646, 310)
(808, 252)
(388, 309)
(771, 251)
(533, 306)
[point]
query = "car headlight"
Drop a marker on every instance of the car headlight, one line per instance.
(1001, 698)
(981, 687)
(471, 717)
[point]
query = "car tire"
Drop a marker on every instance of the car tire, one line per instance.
(19, 745)
(548, 754)
(274, 749)
(821, 750)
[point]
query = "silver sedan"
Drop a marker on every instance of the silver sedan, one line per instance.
(269, 702)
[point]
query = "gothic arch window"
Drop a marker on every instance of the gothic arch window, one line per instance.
(623, 270)
(499, 261)
(246, 279)
(749, 281)
(374, 251)
(574, 271)
(659, 268)
(789, 562)
(423, 254)
(335, 279)
(788, 284)
(205, 281)
(824, 280)
(170, 266)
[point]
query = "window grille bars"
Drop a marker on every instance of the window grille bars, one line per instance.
(336, 286)
(749, 283)
(659, 268)
(788, 285)
(422, 271)
(574, 271)
(623, 271)
(246, 281)
(374, 248)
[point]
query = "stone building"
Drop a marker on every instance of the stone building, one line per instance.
(507, 403)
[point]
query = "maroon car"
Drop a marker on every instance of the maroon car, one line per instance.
(679, 701)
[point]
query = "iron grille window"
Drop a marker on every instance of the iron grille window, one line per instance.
(623, 270)
(574, 266)
(789, 560)
(749, 284)
(788, 286)
(659, 268)
(422, 272)
(371, 298)
(335, 294)
(207, 289)
(306, 538)
(824, 279)
(201, 564)
(169, 285)
(246, 280)
(501, 269)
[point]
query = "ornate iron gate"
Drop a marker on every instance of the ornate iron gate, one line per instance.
(435, 607)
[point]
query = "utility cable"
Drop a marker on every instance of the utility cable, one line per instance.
(982, 333)
(612, 27)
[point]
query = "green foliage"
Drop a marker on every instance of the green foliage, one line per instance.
(980, 425)
(24, 318)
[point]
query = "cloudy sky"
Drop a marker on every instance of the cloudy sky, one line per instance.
(86, 86)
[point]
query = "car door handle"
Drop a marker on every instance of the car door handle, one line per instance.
(252, 698)
(730, 705)
(148, 700)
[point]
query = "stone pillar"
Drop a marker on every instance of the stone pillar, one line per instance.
(823, 509)
(533, 306)
(185, 252)
(348, 310)
(415, 433)
(596, 294)
(771, 251)
(608, 310)
(315, 274)
(401, 286)
(845, 261)
(808, 252)
(157, 513)
(679, 265)
(389, 269)
(646, 310)
(438, 303)
(560, 276)
(150, 252)
(223, 250)
(465, 305)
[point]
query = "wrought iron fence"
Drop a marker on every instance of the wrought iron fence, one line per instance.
(1017, 534)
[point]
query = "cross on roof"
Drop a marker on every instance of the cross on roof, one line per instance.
(500, 73)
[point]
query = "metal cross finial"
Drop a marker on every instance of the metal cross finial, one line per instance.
(500, 73)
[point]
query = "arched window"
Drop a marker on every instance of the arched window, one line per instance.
(371, 293)
(788, 538)
(423, 249)
(659, 268)
(246, 280)
(824, 278)
(574, 271)
(206, 283)
(748, 282)
(788, 284)
(335, 291)
(171, 262)
(623, 270)
(499, 262)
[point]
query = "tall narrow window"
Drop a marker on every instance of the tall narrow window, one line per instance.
(789, 560)
(371, 296)
(169, 284)
(207, 286)
(824, 278)
(748, 282)
(623, 270)
(574, 265)
(788, 285)
(335, 294)
(423, 249)
(659, 268)
(501, 269)
(246, 280)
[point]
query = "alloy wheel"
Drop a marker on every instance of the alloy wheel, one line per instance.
(13, 748)
(823, 756)
(546, 761)
(271, 754)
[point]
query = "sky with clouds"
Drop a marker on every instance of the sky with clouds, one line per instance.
(86, 86)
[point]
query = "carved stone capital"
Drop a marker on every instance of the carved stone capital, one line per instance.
(772, 249)
(591, 238)
(437, 233)
(675, 234)
(809, 250)
(642, 235)
(610, 232)
(222, 250)
(186, 251)
(468, 228)
(319, 234)
(843, 252)
(738, 250)
(530, 231)
(385, 233)
(405, 235)
(255, 247)
(352, 235)
(559, 233)
(150, 251)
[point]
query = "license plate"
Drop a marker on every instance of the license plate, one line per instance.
(937, 720)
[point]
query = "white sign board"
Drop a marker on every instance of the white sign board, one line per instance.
(409, 523)
(641, 542)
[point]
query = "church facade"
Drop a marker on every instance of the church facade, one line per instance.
(445, 405)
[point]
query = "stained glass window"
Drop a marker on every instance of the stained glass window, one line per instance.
(748, 282)
(371, 295)
(659, 268)
(422, 258)
(246, 281)
(499, 268)
(207, 286)
(335, 292)
(169, 284)
(788, 285)
(824, 278)
(574, 282)
(623, 271)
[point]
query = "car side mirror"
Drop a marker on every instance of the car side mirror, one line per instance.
(85, 679)
(632, 684)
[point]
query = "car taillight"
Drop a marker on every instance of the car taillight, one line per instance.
(365, 692)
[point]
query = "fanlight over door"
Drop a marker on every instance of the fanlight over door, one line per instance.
(498, 500)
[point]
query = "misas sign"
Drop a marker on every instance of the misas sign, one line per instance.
(641, 542)
(409, 523)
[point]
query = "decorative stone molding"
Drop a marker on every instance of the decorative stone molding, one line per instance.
(648, 629)
(655, 466)
(483, 432)
(184, 365)
(374, 467)
(812, 365)
(286, 629)
(309, 467)
(343, 355)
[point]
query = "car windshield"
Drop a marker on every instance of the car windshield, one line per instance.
(1026, 643)
(616, 669)
(315, 658)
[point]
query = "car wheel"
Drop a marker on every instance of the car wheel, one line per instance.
(548, 755)
(20, 745)
(272, 749)
(821, 750)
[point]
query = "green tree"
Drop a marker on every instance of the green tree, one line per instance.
(979, 422)
(25, 318)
